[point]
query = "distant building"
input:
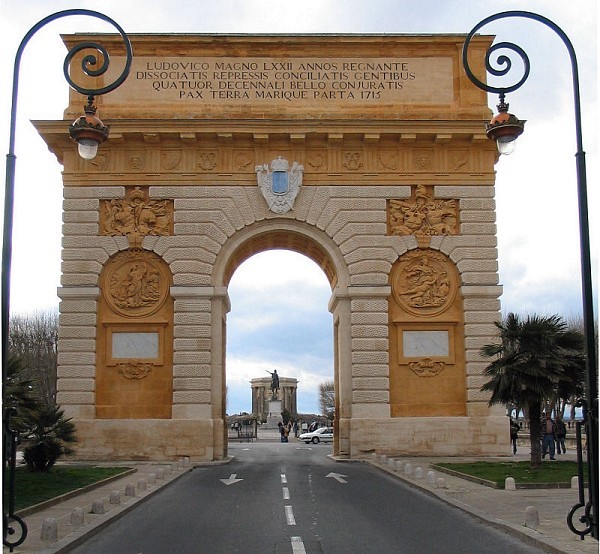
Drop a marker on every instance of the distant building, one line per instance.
(261, 394)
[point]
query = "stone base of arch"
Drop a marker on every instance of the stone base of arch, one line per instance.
(151, 439)
(429, 436)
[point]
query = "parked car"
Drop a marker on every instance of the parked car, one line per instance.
(322, 434)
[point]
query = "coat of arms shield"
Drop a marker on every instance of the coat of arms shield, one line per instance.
(279, 184)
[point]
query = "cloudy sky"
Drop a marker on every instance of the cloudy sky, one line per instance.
(536, 188)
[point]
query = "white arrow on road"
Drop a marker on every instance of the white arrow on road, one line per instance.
(232, 479)
(338, 477)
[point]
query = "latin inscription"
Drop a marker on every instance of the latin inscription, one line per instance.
(218, 80)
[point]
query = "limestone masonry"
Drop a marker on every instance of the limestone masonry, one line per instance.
(365, 153)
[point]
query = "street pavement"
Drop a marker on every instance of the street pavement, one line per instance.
(503, 508)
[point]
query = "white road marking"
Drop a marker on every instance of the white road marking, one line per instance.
(289, 515)
(286, 493)
(297, 545)
(283, 478)
(232, 479)
(338, 477)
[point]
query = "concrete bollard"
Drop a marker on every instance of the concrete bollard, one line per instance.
(419, 473)
(383, 458)
(167, 471)
(77, 517)
(575, 482)
(142, 485)
(374, 456)
(440, 483)
(160, 473)
(399, 465)
(130, 489)
(431, 477)
(509, 484)
(532, 517)
(49, 531)
(391, 463)
(98, 507)
(115, 497)
(408, 469)
(151, 478)
(186, 461)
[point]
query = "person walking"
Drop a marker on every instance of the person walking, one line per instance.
(561, 433)
(514, 434)
(548, 430)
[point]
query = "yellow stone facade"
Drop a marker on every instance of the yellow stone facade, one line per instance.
(396, 206)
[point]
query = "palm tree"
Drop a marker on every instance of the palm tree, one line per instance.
(535, 356)
(49, 437)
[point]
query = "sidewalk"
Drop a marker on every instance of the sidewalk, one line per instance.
(61, 517)
(501, 508)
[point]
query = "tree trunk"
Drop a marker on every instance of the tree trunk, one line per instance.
(535, 433)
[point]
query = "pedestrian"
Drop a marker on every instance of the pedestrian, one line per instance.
(296, 428)
(548, 431)
(561, 433)
(514, 434)
(281, 432)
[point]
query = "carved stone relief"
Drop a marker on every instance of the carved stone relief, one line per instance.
(136, 284)
(207, 160)
(170, 159)
(389, 159)
(136, 160)
(353, 160)
(425, 282)
(426, 367)
(134, 369)
(423, 160)
(422, 214)
(242, 161)
(136, 216)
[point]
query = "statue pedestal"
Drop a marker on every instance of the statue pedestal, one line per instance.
(274, 414)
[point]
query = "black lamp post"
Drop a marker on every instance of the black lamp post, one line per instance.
(88, 131)
(504, 128)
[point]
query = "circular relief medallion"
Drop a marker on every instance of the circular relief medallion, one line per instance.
(424, 282)
(136, 283)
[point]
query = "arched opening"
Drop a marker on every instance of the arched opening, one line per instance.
(290, 240)
(278, 321)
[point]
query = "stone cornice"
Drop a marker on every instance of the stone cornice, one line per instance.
(146, 152)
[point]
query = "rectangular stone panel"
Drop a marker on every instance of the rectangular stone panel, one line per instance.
(289, 81)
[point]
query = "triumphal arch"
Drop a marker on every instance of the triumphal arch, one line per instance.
(365, 153)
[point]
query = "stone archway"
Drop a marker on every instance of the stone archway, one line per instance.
(388, 133)
(303, 239)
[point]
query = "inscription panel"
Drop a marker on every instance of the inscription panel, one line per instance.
(425, 343)
(289, 81)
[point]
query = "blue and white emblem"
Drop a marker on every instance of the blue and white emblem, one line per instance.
(280, 184)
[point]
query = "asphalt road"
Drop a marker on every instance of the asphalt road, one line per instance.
(291, 498)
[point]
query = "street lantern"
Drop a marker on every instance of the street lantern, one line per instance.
(504, 128)
(88, 131)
